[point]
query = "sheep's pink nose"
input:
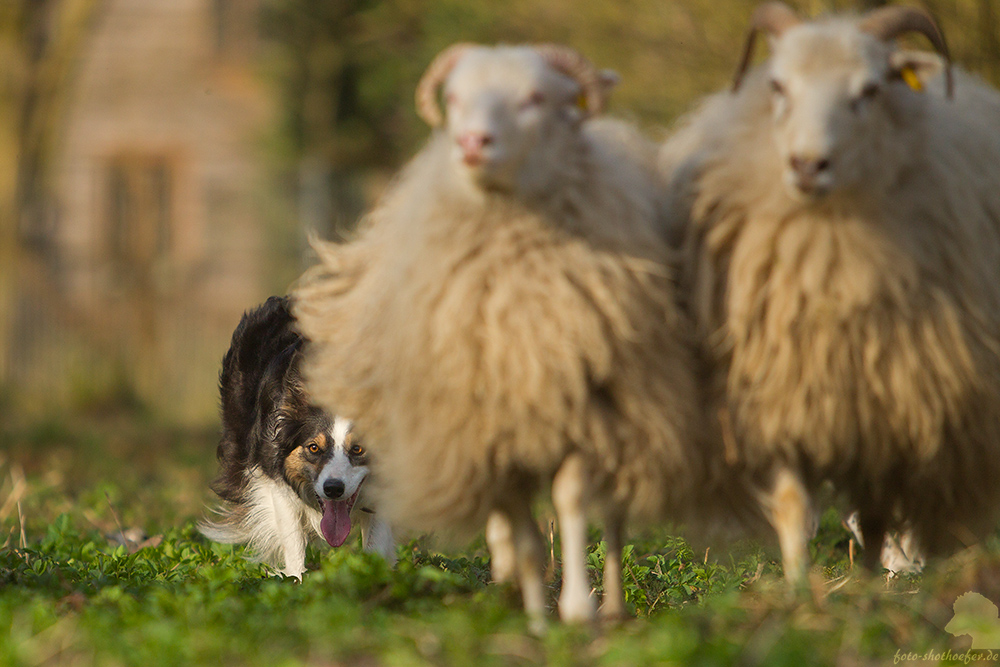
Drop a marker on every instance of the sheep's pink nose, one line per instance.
(807, 167)
(810, 174)
(472, 144)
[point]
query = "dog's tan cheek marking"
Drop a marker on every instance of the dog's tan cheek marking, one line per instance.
(298, 471)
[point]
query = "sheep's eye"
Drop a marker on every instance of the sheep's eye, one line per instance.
(777, 88)
(533, 100)
(869, 91)
(356, 450)
(313, 448)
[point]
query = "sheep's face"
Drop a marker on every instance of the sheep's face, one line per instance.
(835, 98)
(506, 111)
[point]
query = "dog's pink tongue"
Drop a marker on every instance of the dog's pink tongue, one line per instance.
(336, 523)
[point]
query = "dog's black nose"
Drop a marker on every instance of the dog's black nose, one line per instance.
(333, 488)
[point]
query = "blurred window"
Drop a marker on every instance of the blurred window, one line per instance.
(140, 192)
(234, 23)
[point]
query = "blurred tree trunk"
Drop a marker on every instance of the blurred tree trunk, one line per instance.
(17, 21)
(39, 42)
(989, 39)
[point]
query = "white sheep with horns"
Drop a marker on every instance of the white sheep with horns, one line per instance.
(505, 320)
(843, 268)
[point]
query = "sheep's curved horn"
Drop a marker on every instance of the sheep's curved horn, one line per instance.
(571, 62)
(427, 90)
(887, 23)
(774, 18)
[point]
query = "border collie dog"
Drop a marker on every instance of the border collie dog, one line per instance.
(286, 467)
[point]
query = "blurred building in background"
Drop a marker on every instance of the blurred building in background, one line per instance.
(161, 159)
(153, 243)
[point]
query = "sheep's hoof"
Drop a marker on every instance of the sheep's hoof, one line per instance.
(576, 608)
(537, 625)
(612, 615)
(503, 570)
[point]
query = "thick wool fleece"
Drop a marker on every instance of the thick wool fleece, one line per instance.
(857, 340)
(478, 339)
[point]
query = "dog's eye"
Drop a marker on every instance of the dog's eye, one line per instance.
(357, 450)
(312, 448)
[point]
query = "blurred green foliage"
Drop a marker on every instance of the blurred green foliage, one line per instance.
(74, 596)
(100, 564)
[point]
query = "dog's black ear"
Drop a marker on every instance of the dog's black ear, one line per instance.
(261, 353)
(281, 392)
(281, 404)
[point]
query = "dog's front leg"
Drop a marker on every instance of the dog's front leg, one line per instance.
(292, 537)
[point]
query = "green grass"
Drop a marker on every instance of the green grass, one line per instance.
(72, 593)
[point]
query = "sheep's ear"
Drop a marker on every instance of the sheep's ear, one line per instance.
(915, 68)
(888, 23)
(572, 63)
(608, 80)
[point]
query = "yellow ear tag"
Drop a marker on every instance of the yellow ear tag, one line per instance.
(581, 102)
(911, 79)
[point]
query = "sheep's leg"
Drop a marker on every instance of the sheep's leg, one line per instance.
(500, 541)
(789, 510)
(873, 532)
(530, 552)
(575, 603)
(613, 605)
(913, 554)
(376, 536)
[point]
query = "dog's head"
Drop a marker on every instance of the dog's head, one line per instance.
(326, 464)
(269, 423)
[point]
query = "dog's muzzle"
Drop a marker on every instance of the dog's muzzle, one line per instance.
(333, 488)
